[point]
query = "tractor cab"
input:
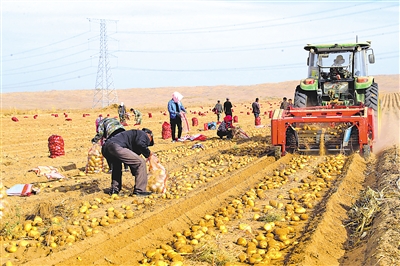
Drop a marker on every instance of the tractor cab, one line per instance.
(338, 74)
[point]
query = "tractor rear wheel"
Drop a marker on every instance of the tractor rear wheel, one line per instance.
(372, 97)
(366, 151)
(303, 98)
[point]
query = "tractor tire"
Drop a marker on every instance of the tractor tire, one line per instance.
(278, 152)
(292, 144)
(366, 151)
(304, 99)
(372, 97)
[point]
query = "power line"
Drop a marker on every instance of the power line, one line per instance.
(257, 46)
(47, 83)
(47, 53)
(41, 47)
(30, 81)
(46, 62)
(52, 68)
(235, 28)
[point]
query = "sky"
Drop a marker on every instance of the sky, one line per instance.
(56, 45)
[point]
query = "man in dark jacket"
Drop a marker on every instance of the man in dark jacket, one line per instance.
(228, 107)
(256, 108)
(126, 147)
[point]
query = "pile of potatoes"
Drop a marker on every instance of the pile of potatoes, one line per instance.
(261, 241)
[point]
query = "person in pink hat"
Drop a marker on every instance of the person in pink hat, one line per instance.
(225, 128)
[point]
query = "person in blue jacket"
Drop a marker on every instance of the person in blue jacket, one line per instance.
(175, 108)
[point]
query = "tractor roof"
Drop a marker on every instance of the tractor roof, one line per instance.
(337, 47)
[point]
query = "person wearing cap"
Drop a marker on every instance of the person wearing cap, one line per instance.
(339, 61)
(225, 128)
(126, 147)
(228, 107)
(122, 112)
(138, 116)
(107, 128)
(337, 71)
(175, 107)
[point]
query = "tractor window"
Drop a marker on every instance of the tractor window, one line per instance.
(333, 63)
(313, 65)
(360, 64)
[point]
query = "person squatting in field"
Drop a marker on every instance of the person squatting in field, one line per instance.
(175, 108)
(107, 128)
(126, 147)
(138, 116)
(225, 128)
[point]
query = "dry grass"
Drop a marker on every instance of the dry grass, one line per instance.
(362, 214)
(211, 253)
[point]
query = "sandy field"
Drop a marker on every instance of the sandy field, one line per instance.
(228, 203)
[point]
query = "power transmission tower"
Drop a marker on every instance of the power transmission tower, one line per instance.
(104, 91)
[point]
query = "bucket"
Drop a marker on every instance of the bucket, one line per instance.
(205, 126)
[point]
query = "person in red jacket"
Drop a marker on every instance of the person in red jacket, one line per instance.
(225, 128)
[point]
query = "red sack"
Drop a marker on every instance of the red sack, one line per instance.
(56, 146)
(14, 119)
(195, 122)
(201, 137)
(235, 119)
(258, 121)
(166, 131)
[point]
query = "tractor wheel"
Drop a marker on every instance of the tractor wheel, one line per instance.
(372, 97)
(278, 152)
(291, 140)
(366, 151)
(304, 99)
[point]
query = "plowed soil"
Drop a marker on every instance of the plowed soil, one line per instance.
(235, 182)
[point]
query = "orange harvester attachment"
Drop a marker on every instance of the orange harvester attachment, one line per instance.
(324, 129)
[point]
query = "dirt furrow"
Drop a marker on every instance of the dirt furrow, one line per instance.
(324, 236)
(155, 227)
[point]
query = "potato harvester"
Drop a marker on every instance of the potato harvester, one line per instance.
(323, 129)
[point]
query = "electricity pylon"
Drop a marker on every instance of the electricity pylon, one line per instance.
(104, 91)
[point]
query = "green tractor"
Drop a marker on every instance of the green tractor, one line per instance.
(338, 74)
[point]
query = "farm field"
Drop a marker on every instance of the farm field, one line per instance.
(230, 203)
